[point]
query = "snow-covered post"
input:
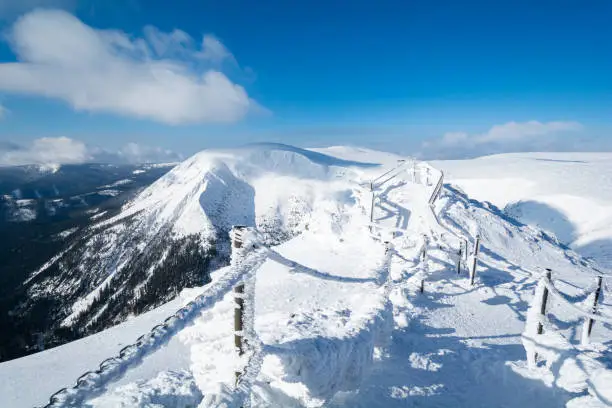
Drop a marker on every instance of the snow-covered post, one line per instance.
(536, 316)
(544, 301)
(460, 258)
(424, 265)
(372, 205)
(588, 323)
(475, 260)
(236, 237)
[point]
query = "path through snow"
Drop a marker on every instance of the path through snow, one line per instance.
(343, 325)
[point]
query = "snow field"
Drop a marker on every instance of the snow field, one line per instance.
(566, 194)
(338, 318)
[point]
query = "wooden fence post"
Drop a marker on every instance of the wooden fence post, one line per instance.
(589, 321)
(460, 258)
(236, 237)
(475, 260)
(424, 266)
(544, 301)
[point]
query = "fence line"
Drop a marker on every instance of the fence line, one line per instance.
(247, 257)
(93, 383)
(437, 189)
(242, 270)
(374, 183)
(587, 314)
(536, 315)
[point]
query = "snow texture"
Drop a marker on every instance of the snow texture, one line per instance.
(335, 314)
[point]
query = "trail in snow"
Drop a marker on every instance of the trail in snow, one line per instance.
(458, 345)
(341, 320)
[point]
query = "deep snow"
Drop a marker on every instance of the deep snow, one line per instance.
(338, 312)
(567, 194)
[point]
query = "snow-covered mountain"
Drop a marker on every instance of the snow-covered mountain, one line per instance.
(175, 232)
(338, 317)
(40, 209)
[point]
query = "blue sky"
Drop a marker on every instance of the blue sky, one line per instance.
(434, 78)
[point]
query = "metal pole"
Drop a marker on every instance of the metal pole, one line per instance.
(475, 260)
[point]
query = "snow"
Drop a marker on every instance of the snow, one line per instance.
(51, 168)
(109, 192)
(23, 214)
(117, 183)
(99, 215)
(335, 315)
(66, 233)
(567, 194)
(20, 210)
(69, 361)
(168, 389)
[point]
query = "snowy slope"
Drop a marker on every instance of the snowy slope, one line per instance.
(341, 319)
(128, 262)
(568, 194)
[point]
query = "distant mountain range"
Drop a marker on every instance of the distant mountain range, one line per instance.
(42, 210)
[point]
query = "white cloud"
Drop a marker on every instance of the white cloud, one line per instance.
(47, 150)
(214, 50)
(135, 153)
(3, 112)
(162, 76)
(454, 138)
(515, 131)
(63, 150)
(508, 137)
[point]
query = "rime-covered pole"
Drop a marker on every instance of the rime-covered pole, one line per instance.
(459, 258)
(544, 301)
(424, 265)
(236, 237)
(588, 324)
(475, 260)
(372, 205)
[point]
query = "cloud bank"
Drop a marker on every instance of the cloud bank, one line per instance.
(504, 138)
(165, 77)
(63, 150)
